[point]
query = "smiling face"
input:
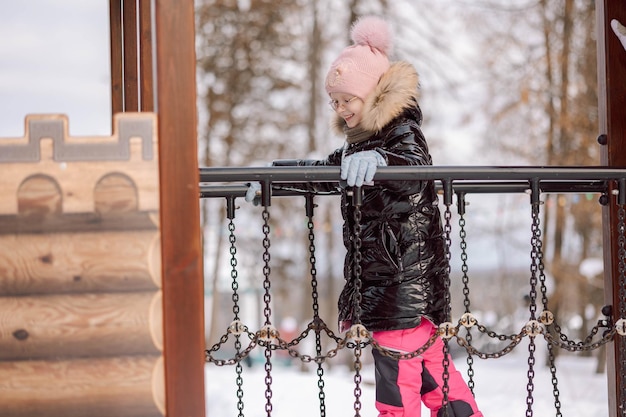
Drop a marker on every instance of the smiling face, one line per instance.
(348, 106)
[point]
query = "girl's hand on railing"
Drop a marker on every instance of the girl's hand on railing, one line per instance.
(359, 168)
(253, 194)
(620, 31)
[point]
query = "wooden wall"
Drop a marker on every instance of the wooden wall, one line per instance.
(81, 316)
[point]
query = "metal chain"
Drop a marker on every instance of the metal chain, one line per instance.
(534, 266)
(515, 340)
(235, 298)
(403, 356)
(446, 348)
(531, 375)
(621, 254)
(316, 308)
(267, 298)
(466, 290)
(547, 321)
(356, 319)
(356, 255)
(270, 339)
(357, 379)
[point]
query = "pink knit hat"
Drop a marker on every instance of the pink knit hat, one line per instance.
(359, 67)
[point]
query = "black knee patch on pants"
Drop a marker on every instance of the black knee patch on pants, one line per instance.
(456, 409)
(387, 390)
(428, 382)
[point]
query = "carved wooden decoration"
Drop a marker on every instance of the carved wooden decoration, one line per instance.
(81, 319)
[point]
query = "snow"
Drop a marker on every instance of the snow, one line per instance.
(500, 388)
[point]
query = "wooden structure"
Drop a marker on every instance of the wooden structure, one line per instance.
(81, 306)
(169, 89)
(101, 285)
(612, 116)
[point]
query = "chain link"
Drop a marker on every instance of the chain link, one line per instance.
(530, 386)
(357, 270)
(267, 312)
(466, 290)
(316, 309)
(621, 254)
(447, 306)
(356, 319)
(535, 256)
(357, 379)
(549, 327)
(235, 298)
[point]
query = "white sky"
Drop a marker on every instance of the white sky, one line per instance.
(54, 58)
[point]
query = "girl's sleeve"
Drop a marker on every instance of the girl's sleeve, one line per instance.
(406, 146)
(334, 159)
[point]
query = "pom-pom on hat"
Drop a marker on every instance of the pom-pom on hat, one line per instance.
(359, 67)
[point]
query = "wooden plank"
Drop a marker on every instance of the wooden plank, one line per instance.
(612, 123)
(145, 56)
(131, 73)
(80, 325)
(117, 78)
(80, 262)
(129, 386)
(183, 290)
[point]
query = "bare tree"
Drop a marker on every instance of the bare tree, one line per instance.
(543, 79)
(249, 60)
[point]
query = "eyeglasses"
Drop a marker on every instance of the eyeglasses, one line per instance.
(334, 104)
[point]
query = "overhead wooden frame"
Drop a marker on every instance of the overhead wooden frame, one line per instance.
(132, 83)
(162, 32)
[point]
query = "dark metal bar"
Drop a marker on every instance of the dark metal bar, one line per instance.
(460, 198)
(447, 192)
(466, 187)
(453, 173)
(534, 191)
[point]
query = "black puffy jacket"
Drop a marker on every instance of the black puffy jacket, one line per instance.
(403, 261)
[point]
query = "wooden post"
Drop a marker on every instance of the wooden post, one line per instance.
(146, 93)
(130, 39)
(612, 123)
(183, 290)
(117, 78)
(132, 81)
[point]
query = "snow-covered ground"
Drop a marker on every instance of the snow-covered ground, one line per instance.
(500, 388)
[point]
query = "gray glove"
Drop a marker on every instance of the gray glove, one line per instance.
(359, 168)
(253, 193)
(620, 31)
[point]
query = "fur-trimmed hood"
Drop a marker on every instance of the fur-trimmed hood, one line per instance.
(396, 91)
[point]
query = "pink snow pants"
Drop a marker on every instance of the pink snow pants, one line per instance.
(402, 385)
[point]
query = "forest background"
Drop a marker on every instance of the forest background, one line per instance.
(502, 83)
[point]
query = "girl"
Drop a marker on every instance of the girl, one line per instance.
(403, 260)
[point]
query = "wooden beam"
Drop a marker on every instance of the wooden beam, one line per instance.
(146, 93)
(183, 291)
(117, 86)
(612, 125)
(130, 38)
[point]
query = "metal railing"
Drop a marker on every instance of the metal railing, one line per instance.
(230, 183)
